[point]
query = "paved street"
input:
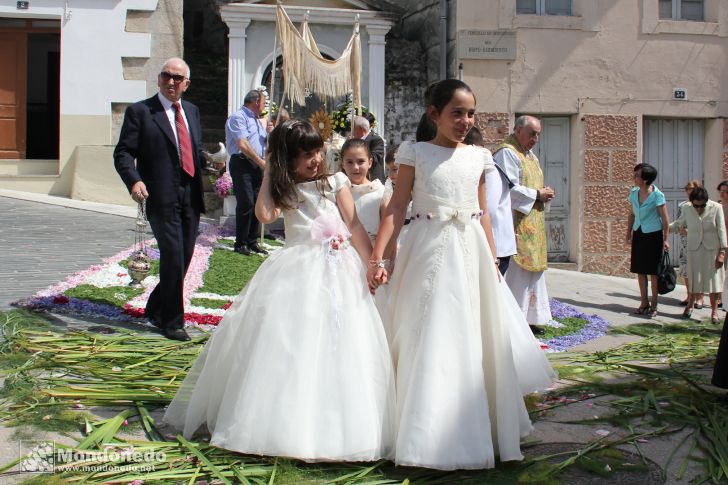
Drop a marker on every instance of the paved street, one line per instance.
(42, 244)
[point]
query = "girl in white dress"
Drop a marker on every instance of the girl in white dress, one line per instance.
(299, 365)
(463, 352)
(370, 197)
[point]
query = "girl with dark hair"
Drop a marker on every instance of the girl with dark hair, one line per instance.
(647, 230)
(299, 365)
(463, 350)
(703, 219)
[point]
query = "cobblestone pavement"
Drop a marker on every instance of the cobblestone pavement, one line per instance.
(42, 244)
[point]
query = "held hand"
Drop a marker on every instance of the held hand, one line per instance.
(139, 192)
(666, 245)
(546, 193)
(719, 260)
(382, 276)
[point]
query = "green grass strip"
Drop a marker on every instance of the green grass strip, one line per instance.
(229, 272)
(110, 295)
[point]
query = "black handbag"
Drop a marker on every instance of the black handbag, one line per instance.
(666, 277)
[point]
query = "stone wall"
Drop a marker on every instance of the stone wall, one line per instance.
(610, 153)
(165, 26)
(493, 127)
(405, 84)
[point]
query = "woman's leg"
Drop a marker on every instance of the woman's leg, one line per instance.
(687, 288)
(714, 299)
(642, 282)
(653, 301)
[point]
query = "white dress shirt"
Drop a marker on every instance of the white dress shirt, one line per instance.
(170, 112)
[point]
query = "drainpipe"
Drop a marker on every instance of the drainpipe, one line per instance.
(443, 39)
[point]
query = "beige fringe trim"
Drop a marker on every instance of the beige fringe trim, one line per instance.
(305, 68)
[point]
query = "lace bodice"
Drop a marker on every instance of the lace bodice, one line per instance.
(368, 200)
(312, 204)
(445, 176)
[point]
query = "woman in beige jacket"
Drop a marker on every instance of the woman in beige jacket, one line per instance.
(704, 221)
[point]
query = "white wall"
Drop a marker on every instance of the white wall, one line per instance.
(93, 41)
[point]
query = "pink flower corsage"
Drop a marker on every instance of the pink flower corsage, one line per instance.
(330, 229)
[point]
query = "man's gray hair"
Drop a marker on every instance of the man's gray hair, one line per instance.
(360, 122)
(177, 59)
(525, 120)
(252, 96)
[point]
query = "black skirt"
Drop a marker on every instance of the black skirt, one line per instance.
(720, 372)
(646, 252)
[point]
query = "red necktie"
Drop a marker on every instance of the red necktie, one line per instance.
(185, 145)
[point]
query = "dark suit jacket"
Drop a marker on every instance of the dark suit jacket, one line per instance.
(376, 151)
(147, 137)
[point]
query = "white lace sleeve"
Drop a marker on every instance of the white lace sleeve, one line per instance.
(340, 180)
(405, 153)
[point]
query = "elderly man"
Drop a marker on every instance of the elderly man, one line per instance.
(528, 196)
(162, 134)
(245, 138)
(360, 128)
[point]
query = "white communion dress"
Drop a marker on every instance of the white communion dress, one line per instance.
(463, 352)
(368, 199)
(299, 365)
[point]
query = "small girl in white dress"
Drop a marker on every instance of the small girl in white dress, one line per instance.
(369, 195)
(463, 352)
(299, 365)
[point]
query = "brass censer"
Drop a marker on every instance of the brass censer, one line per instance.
(139, 262)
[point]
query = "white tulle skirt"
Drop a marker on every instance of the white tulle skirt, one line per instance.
(463, 352)
(298, 367)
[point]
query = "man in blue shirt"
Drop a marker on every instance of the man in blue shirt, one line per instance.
(245, 137)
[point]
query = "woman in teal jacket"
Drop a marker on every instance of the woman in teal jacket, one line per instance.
(647, 231)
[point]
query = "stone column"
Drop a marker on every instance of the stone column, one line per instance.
(610, 153)
(236, 63)
(376, 73)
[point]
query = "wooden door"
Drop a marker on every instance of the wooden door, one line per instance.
(676, 149)
(13, 74)
(552, 151)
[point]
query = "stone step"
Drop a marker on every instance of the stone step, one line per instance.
(27, 167)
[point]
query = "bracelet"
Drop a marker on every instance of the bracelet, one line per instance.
(378, 263)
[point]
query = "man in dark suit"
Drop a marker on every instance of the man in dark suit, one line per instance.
(162, 134)
(361, 128)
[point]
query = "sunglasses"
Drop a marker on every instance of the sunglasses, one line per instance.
(700, 206)
(166, 76)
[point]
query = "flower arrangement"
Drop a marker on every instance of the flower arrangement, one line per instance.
(341, 116)
(224, 185)
(330, 230)
(268, 102)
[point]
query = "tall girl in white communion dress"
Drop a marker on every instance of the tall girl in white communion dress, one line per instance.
(463, 352)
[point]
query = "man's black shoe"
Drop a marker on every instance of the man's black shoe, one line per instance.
(243, 250)
(257, 249)
(176, 334)
(537, 330)
(155, 321)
